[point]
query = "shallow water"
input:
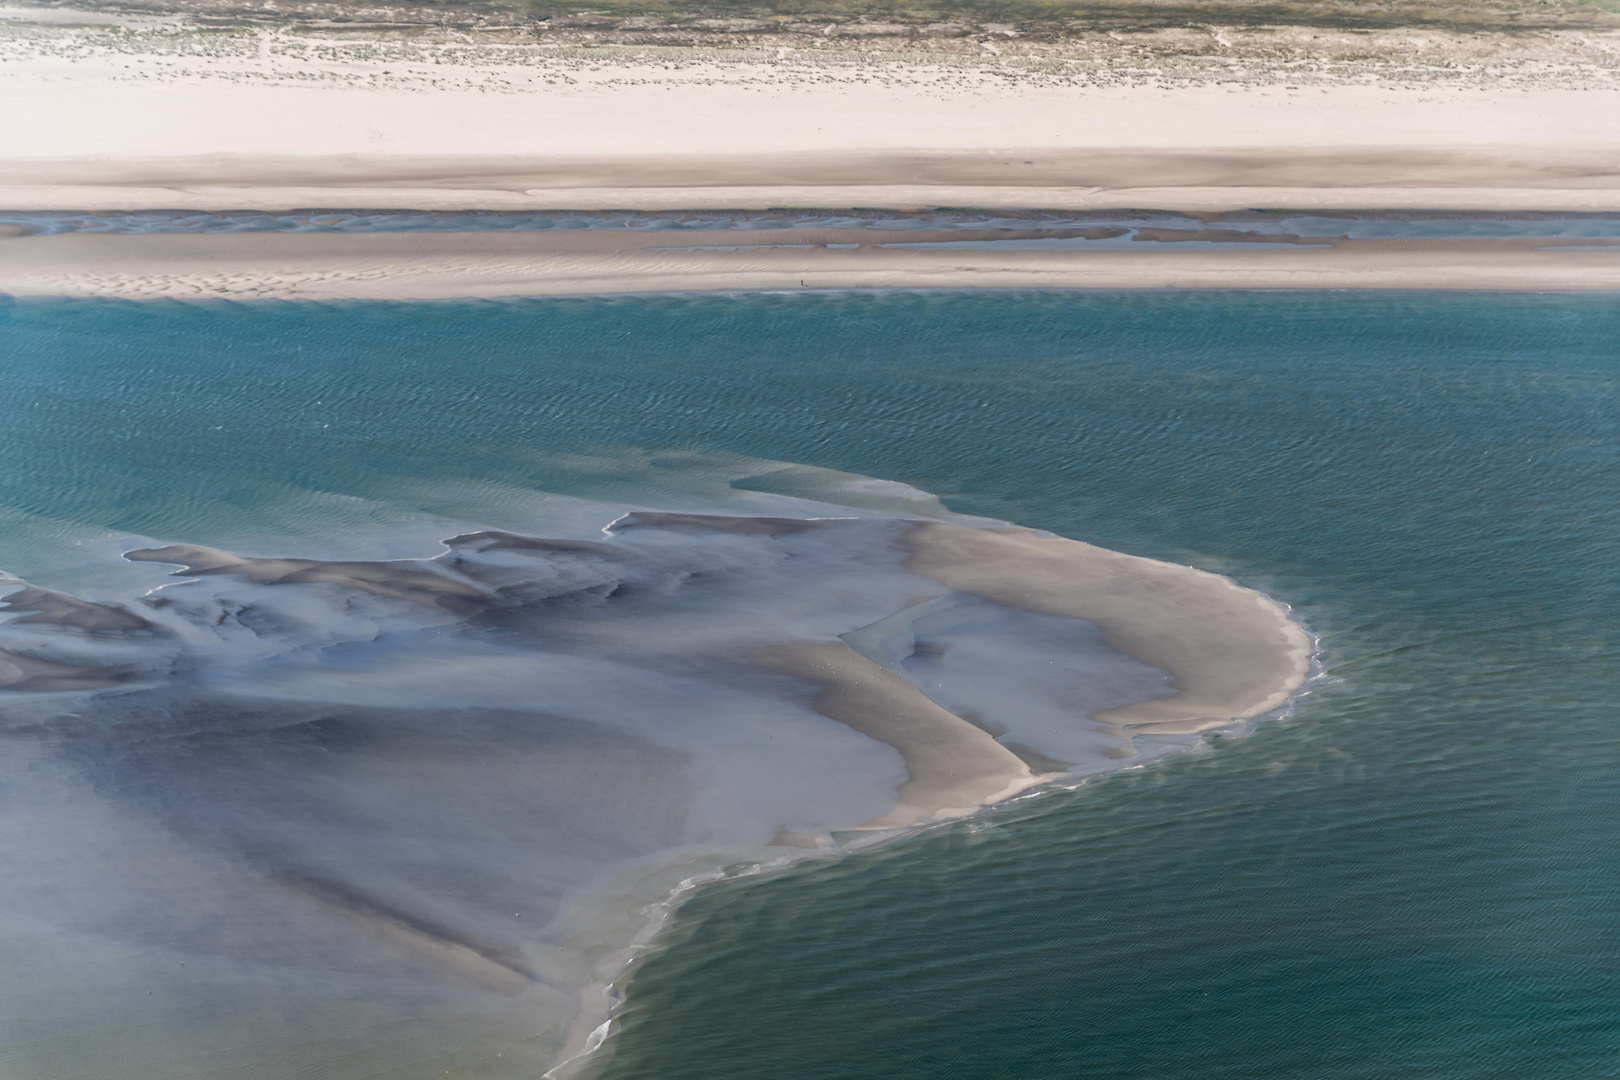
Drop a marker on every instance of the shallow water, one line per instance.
(1413, 875)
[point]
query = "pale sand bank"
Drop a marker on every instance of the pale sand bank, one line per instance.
(1579, 177)
(1232, 652)
(426, 266)
(954, 769)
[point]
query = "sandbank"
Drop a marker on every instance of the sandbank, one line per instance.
(433, 266)
(1275, 161)
(1232, 652)
(1204, 121)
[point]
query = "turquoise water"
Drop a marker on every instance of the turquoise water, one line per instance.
(1413, 875)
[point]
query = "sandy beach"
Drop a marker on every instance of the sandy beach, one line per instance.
(448, 265)
(110, 146)
(114, 113)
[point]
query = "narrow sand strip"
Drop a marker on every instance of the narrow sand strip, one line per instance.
(1214, 199)
(1232, 652)
(1580, 176)
(444, 265)
(956, 769)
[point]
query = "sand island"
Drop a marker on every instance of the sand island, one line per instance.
(466, 784)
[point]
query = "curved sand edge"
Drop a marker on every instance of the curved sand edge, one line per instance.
(955, 768)
(1232, 652)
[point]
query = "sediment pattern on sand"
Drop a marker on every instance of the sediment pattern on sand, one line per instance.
(453, 782)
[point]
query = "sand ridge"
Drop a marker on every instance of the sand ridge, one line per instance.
(954, 769)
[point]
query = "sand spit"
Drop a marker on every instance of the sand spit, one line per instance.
(741, 526)
(1233, 652)
(433, 266)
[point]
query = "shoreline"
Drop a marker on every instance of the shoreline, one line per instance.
(600, 1003)
(1232, 653)
(1224, 678)
(489, 265)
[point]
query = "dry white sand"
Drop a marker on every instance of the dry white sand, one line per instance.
(128, 117)
(105, 145)
(113, 117)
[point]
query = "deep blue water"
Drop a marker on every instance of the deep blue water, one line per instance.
(1416, 875)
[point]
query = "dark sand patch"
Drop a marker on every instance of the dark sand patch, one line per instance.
(19, 672)
(745, 526)
(59, 609)
(392, 580)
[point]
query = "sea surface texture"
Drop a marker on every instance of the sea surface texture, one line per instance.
(335, 815)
